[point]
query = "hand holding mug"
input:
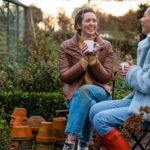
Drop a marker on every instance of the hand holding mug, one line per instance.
(84, 51)
(97, 47)
(92, 47)
(123, 68)
(87, 48)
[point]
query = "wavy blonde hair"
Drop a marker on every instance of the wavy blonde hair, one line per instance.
(148, 10)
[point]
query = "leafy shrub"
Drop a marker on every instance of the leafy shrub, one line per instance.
(4, 135)
(39, 72)
(121, 89)
(42, 103)
(124, 46)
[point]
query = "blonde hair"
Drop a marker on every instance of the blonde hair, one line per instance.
(148, 10)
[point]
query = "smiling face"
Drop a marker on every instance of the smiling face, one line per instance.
(88, 25)
(145, 22)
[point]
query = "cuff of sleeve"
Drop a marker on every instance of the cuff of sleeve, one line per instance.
(92, 60)
(84, 63)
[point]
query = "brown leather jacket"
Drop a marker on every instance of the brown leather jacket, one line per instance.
(72, 73)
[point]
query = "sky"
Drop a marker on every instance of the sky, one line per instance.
(51, 7)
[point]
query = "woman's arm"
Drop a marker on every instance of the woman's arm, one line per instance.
(68, 72)
(139, 79)
(103, 73)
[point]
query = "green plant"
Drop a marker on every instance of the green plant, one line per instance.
(4, 135)
(39, 73)
(42, 103)
(121, 89)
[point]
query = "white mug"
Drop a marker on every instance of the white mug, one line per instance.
(90, 44)
(123, 65)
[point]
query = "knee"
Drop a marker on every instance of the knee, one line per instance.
(84, 89)
(96, 109)
(100, 122)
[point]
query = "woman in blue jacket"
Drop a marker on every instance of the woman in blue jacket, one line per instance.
(107, 115)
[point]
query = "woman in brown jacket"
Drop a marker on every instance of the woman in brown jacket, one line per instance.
(85, 75)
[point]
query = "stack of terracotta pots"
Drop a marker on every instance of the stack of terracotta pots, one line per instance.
(51, 134)
(26, 131)
(21, 135)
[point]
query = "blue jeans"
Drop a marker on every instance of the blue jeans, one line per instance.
(109, 114)
(78, 120)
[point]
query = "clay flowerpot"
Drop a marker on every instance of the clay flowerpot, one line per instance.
(21, 132)
(18, 121)
(59, 125)
(19, 112)
(34, 122)
(45, 133)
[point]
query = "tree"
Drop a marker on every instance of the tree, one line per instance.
(35, 16)
(128, 24)
(64, 21)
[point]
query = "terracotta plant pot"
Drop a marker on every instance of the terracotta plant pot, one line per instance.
(18, 121)
(34, 122)
(21, 132)
(59, 125)
(19, 112)
(45, 133)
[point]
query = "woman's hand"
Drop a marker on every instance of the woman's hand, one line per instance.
(96, 48)
(84, 51)
(83, 48)
(87, 54)
(124, 67)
